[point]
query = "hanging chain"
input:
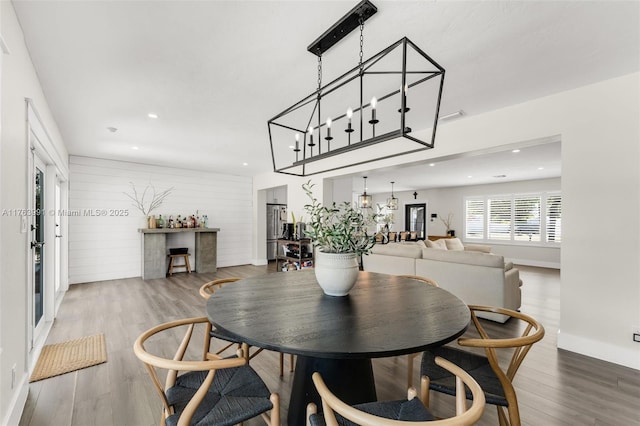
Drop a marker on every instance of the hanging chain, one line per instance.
(319, 73)
(361, 42)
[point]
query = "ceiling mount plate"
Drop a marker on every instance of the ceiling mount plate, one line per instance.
(344, 26)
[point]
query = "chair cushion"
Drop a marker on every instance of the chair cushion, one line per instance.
(412, 411)
(476, 365)
(236, 394)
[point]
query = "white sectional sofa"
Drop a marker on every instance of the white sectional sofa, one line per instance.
(471, 273)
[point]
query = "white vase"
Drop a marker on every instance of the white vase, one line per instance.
(336, 273)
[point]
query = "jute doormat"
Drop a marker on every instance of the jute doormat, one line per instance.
(70, 356)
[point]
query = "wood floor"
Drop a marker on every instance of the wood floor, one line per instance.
(554, 387)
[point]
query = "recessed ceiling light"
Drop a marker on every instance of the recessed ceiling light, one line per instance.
(540, 168)
(469, 177)
(432, 164)
(152, 115)
(112, 129)
(515, 151)
(245, 164)
(134, 148)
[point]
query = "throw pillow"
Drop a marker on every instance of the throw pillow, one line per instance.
(453, 244)
(437, 244)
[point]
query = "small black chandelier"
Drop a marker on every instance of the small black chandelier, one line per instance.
(367, 108)
(365, 201)
(392, 202)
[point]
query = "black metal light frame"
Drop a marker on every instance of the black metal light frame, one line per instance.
(306, 162)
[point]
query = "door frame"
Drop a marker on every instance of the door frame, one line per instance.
(407, 217)
(56, 171)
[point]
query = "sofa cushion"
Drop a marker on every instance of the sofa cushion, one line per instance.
(469, 257)
(478, 247)
(396, 249)
(437, 244)
(453, 244)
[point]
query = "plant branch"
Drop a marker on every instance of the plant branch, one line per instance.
(156, 198)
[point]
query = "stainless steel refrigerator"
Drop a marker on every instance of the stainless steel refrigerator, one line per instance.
(276, 218)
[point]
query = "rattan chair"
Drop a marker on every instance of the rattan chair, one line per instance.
(206, 290)
(404, 412)
(496, 382)
(211, 390)
(411, 357)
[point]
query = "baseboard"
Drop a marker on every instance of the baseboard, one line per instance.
(538, 263)
(259, 262)
(17, 404)
(597, 349)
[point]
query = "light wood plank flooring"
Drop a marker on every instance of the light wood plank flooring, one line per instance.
(554, 387)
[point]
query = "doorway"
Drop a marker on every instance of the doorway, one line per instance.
(415, 219)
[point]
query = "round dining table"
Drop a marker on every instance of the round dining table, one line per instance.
(382, 316)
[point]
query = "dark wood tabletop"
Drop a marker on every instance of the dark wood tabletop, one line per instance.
(383, 315)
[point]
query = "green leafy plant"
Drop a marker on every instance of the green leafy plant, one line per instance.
(339, 228)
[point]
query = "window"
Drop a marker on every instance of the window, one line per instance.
(500, 219)
(526, 218)
(519, 218)
(554, 219)
(474, 218)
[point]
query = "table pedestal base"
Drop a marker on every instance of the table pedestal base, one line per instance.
(351, 380)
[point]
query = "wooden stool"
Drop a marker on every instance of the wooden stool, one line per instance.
(186, 265)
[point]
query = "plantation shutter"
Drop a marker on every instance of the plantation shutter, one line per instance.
(526, 215)
(554, 218)
(499, 218)
(474, 219)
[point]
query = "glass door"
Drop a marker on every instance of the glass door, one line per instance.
(415, 219)
(57, 278)
(37, 243)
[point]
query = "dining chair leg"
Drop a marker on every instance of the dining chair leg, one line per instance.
(291, 363)
(502, 417)
(424, 390)
(410, 359)
(281, 364)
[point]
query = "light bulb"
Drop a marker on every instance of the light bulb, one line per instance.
(329, 122)
(349, 113)
(374, 101)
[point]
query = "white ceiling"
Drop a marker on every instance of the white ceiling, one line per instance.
(216, 71)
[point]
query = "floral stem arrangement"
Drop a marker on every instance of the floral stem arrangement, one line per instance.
(339, 228)
(149, 200)
(447, 221)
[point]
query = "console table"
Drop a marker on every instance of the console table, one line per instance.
(154, 250)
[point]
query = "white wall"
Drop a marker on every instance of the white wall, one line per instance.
(108, 247)
(599, 129)
(19, 81)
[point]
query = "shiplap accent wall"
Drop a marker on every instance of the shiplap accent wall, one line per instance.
(105, 246)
